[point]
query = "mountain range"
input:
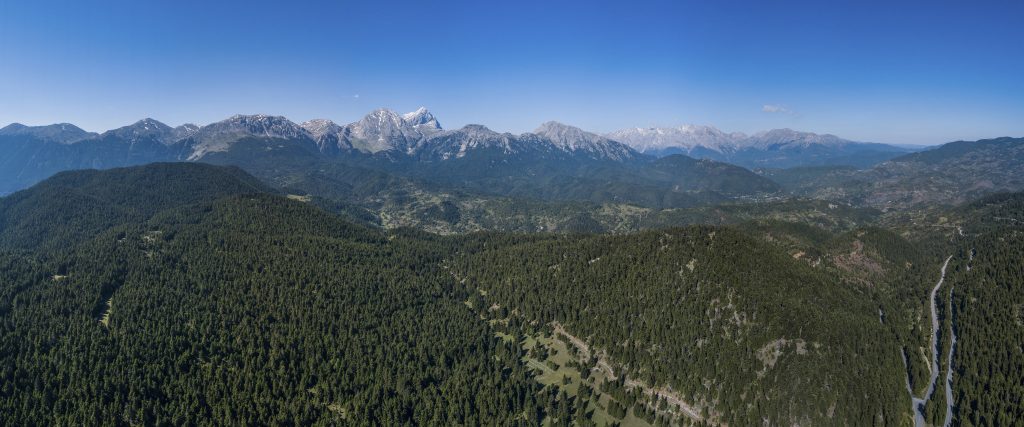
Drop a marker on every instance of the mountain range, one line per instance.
(777, 148)
(656, 168)
(950, 174)
(246, 253)
(419, 132)
(35, 152)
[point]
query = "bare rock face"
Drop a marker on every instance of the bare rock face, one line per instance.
(575, 140)
(219, 136)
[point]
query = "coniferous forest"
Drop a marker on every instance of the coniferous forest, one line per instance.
(612, 214)
(130, 298)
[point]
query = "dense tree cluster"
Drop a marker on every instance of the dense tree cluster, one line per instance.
(725, 320)
(988, 315)
(192, 294)
(251, 309)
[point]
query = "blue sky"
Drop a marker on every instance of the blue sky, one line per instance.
(896, 72)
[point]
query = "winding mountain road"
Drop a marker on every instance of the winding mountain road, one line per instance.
(949, 365)
(918, 403)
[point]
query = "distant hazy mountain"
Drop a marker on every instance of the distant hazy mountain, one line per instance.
(64, 133)
(952, 173)
(555, 162)
(149, 130)
(782, 139)
(679, 140)
(778, 148)
(31, 154)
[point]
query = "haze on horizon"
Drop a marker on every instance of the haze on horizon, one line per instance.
(861, 70)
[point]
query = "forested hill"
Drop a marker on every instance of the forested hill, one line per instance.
(188, 293)
(246, 310)
(738, 328)
(73, 206)
(951, 174)
(985, 308)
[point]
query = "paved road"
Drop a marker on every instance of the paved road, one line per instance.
(949, 363)
(919, 402)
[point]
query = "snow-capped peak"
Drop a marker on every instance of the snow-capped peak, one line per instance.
(685, 137)
(421, 118)
(320, 127)
(184, 131)
(383, 129)
(221, 135)
(143, 130)
(258, 125)
(419, 112)
(694, 137)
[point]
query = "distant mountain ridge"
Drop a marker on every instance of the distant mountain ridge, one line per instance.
(555, 162)
(64, 133)
(950, 174)
(151, 130)
(776, 148)
(680, 139)
(417, 133)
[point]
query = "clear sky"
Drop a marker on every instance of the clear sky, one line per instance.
(888, 71)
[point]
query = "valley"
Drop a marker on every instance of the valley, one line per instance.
(649, 213)
(590, 283)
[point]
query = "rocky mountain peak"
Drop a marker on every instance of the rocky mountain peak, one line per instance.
(184, 131)
(422, 118)
(143, 130)
(384, 129)
(573, 139)
(320, 127)
(220, 135)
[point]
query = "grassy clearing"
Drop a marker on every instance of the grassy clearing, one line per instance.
(559, 355)
(105, 318)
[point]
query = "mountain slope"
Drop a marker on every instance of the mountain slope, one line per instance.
(247, 310)
(953, 173)
(693, 175)
(217, 137)
(982, 304)
(724, 322)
